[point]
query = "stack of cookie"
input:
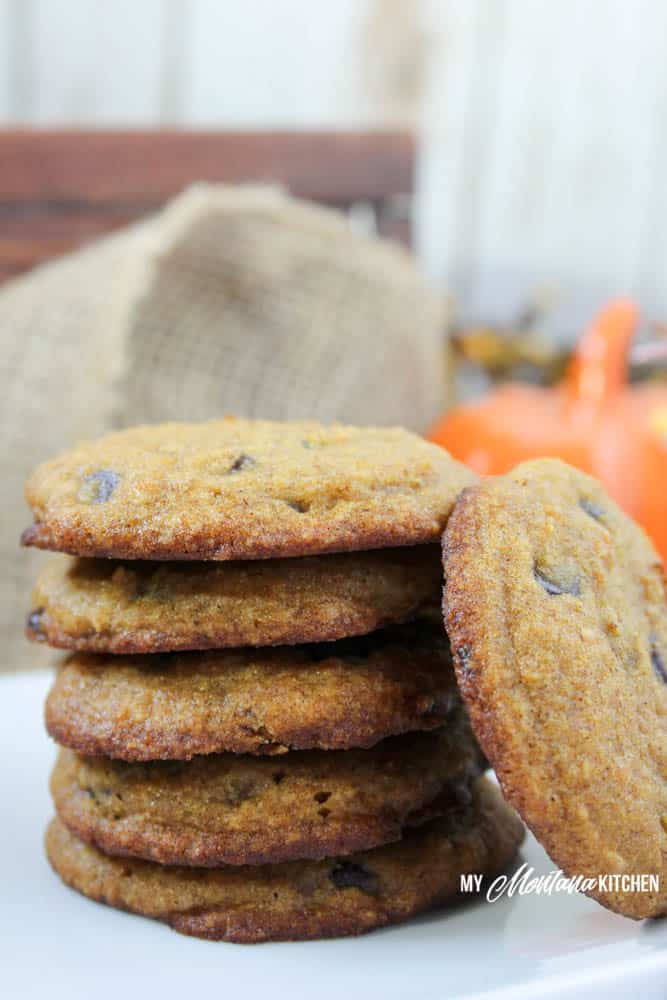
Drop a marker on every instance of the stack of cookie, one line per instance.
(262, 737)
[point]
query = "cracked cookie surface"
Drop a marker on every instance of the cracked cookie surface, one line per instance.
(331, 696)
(556, 609)
(235, 809)
(240, 489)
(105, 606)
(302, 900)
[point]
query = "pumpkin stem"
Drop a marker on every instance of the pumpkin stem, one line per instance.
(598, 370)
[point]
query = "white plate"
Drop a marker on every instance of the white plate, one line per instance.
(55, 943)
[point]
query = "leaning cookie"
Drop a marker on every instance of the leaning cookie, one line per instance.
(301, 900)
(556, 608)
(231, 809)
(105, 606)
(243, 489)
(330, 696)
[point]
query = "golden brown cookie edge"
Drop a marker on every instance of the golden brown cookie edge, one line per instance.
(486, 847)
(464, 618)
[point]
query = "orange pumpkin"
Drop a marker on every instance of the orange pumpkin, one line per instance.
(594, 419)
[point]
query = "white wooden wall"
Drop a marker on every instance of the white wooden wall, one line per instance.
(544, 122)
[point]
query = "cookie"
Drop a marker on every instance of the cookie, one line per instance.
(103, 606)
(302, 900)
(241, 489)
(230, 809)
(331, 696)
(556, 608)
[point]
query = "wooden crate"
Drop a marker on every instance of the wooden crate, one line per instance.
(60, 189)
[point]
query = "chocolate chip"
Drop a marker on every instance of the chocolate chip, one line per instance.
(100, 796)
(242, 462)
(456, 795)
(658, 665)
(463, 654)
(34, 624)
(556, 588)
(240, 790)
(440, 704)
(594, 509)
(300, 506)
(98, 486)
(322, 796)
(346, 875)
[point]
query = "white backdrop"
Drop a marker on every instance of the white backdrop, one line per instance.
(544, 122)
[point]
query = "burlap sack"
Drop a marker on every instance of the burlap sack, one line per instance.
(231, 300)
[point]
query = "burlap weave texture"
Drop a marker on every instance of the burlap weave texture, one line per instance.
(231, 300)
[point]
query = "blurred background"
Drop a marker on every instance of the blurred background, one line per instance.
(541, 125)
